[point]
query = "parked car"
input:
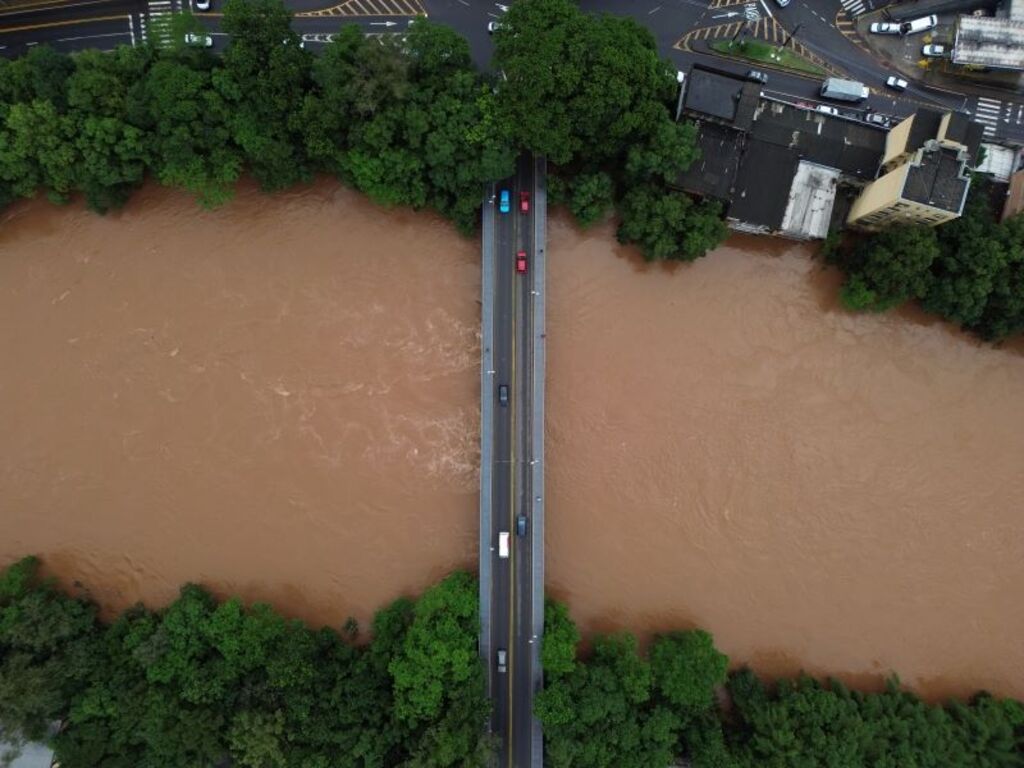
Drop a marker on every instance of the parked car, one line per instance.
(885, 28)
(493, 26)
(201, 41)
(504, 204)
(524, 202)
(521, 262)
(502, 661)
(503, 394)
(876, 118)
(782, 3)
(896, 83)
(825, 109)
(919, 25)
(521, 525)
(934, 50)
(757, 76)
(202, 5)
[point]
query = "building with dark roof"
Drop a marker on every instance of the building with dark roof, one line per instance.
(712, 94)
(762, 186)
(714, 173)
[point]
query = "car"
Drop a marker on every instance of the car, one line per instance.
(782, 3)
(885, 28)
(876, 118)
(502, 661)
(202, 5)
(503, 394)
(521, 262)
(919, 25)
(524, 202)
(896, 83)
(757, 76)
(934, 50)
(521, 525)
(493, 26)
(504, 205)
(200, 41)
(825, 109)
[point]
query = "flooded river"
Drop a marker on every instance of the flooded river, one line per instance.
(279, 399)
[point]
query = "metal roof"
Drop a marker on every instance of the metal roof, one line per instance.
(989, 42)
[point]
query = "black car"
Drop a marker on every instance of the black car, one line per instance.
(503, 394)
(521, 525)
(757, 76)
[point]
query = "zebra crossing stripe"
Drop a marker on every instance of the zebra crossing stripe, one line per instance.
(854, 7)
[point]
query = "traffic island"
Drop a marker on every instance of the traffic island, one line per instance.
(766, 55)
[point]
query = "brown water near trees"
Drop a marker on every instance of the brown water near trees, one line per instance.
(279, 399)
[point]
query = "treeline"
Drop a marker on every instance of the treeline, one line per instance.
(203, 682)
(969, 271)
(620, 709)
(407, 120)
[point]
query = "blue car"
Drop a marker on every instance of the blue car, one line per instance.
(504, 205)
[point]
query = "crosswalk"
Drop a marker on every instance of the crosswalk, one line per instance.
(988, 114)
(156, 22)
(854, 7)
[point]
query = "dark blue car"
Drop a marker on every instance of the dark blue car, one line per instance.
(503, 206)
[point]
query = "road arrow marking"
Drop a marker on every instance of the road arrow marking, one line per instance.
(728, 15)
(383, 23)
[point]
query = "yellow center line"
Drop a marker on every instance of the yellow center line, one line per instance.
(512, 503)
(66, 23)
(36, 5)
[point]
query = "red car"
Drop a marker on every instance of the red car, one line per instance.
(524, 202)
(521, 262)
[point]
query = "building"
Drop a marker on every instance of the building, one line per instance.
(924, 175)
(988, 42)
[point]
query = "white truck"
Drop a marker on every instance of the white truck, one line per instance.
(503, 544)
(844, 90)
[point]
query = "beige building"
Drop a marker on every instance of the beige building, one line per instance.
(924, 176)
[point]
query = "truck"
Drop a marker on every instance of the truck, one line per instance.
(843, 90)
(503, 544)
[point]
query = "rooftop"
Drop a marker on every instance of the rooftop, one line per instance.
(989, 42)
(964, 130)
(711, 93)
(854, 149)
(924, 128)
(763, 183)
(937, 177)
(811, 198)
(713, 174)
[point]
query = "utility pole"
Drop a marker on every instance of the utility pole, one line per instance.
(681, 79)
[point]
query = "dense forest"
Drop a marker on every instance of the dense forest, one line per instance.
(407, 120)
(203, 682)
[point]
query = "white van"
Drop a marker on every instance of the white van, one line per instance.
(503, 544)
(919, 25)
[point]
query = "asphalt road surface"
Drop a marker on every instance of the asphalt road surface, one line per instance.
(511, 596)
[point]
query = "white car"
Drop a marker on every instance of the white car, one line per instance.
(200, 41)
(877, 119)
(493, 26)
(934, 51)
(919, 25)
(202, 5)
(896, 83)
(825, 109)
(885, 28)
(782, 3)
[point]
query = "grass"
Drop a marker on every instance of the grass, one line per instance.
(762, 53)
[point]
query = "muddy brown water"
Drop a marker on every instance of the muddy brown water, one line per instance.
(279, 399)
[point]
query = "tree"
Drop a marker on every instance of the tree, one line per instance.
(664, 155)
(264, 78)
(669, 225)
(558, 652)
(579, 86)
(687, 669)
(890, 268)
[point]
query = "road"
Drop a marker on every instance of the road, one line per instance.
(511, 479)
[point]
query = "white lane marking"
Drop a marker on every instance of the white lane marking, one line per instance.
(767, 9)
(89, 37)
(654, 10)
(131, 29)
